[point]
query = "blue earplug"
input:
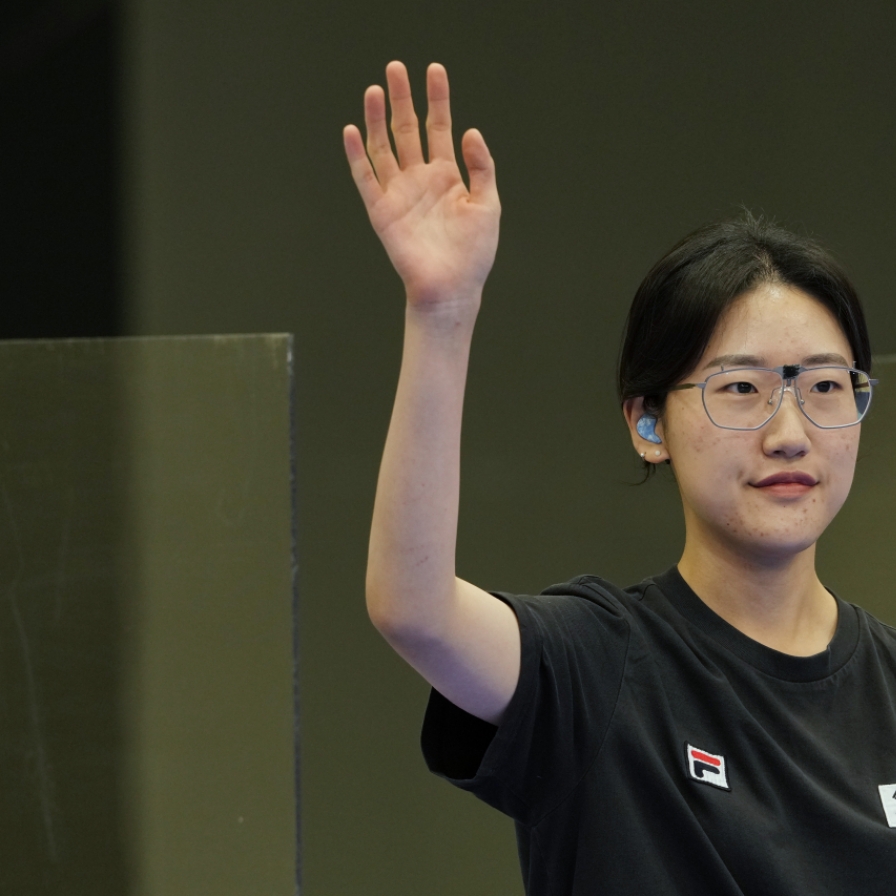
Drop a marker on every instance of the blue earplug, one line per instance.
(646, 427)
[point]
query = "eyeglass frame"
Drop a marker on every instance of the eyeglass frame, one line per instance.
(788, 374)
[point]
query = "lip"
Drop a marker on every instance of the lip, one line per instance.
(794, 480)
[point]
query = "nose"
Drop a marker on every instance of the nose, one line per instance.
(787, 433)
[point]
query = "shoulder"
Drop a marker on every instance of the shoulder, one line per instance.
(576, 609)
(879, 631)
(584, 593)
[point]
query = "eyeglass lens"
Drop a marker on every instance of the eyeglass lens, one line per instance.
(747, 398)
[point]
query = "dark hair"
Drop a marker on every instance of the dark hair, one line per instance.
(681, 300)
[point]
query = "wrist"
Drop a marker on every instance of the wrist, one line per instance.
(452, 316)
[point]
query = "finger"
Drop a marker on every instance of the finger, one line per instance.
(405, 127)
(378, 146)
(362, 171)
(480, 167)
(438, 119)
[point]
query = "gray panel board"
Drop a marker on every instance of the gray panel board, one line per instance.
(147, 569)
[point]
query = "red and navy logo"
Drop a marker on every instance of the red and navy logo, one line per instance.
(706, 767)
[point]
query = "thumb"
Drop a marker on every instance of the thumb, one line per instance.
(480, 167)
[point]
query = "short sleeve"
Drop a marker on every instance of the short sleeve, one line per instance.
(572, 662)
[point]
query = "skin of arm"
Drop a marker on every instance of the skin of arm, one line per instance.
(441, 237)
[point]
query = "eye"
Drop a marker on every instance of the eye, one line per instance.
(742, 387)
(826, 386)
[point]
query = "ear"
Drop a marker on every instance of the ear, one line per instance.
(633, 410)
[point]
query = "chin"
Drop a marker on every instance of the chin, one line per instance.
(775, 543)
(782, 549)
(759, 532)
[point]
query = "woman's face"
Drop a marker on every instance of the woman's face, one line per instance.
(723, 475)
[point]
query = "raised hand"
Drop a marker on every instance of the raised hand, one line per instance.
(441, 238)
(440, 235)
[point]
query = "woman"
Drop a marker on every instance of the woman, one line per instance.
(727, 727)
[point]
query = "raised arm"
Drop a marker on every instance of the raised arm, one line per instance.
(441, 238)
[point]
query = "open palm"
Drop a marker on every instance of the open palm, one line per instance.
(440, 236)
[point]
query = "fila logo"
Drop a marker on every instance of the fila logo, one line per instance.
(888, 798)
(707, 768)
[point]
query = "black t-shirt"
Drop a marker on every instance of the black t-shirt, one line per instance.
(652, 748)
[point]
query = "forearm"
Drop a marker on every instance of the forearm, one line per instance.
(411, 561)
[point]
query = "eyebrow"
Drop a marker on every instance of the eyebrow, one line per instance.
(759, 361)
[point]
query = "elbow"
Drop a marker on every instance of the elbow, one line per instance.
(382, 609)
(377, 609)
(401, 619)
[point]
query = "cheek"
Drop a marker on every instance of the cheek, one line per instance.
(697, 446)
(708, 463)
(844, 449)
(713, 444)
(686, 430)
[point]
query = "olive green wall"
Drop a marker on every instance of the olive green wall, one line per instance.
(617, 127)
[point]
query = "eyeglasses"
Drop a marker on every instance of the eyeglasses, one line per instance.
(748, 397)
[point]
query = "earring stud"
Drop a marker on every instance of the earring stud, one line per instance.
(657, 452)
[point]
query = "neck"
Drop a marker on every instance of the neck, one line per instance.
(777, 601)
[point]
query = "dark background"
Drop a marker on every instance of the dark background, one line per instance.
(176, 167)
(60, 169)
